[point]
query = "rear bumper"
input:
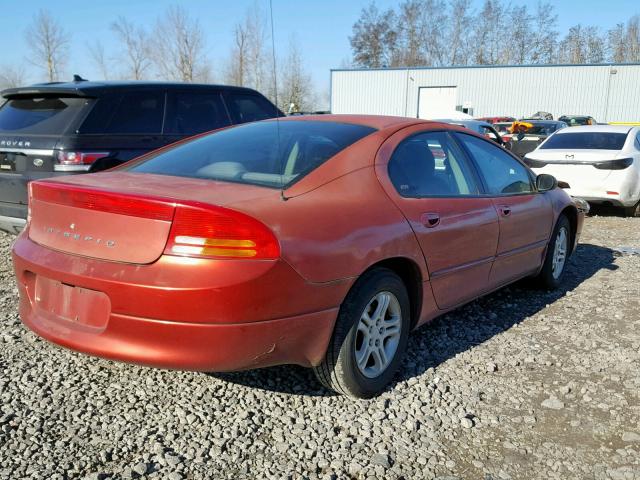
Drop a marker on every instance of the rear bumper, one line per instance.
(208, 316)
(12, 217)
(12, 224)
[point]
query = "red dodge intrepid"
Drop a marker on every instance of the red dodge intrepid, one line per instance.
(319, 241)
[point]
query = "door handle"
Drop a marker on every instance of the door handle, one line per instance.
(430, 220)
(505, 210)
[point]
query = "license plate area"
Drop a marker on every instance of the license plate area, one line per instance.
(79, 306)
(7, 162)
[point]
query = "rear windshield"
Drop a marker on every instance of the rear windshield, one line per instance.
(542, 129)
(40, 115)
(576, 120)
(586, 141)
(273, 154)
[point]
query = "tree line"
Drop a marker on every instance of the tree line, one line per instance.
(444, 33)
(174, 48)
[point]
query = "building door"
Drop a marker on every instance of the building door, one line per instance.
(436, 102)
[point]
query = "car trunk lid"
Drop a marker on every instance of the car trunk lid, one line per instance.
(120, 216)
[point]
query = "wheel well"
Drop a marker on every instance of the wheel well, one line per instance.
(410, 275)
(572, 215)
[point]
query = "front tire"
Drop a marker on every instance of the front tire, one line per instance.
(555, 261)
(369, 338)
(632, 211)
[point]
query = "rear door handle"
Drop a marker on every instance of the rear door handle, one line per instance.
(505, 210)
(430, 220)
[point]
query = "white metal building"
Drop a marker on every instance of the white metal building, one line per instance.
(608, 92)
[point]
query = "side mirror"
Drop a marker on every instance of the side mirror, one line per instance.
(546, 182)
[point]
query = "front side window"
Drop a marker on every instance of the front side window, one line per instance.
(189, 113)
(502, 173)
(429, 164)
(272, 154)
(249, 108)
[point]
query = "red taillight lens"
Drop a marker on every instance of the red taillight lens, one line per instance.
(205, 231)
(79, 158)
(90, 199)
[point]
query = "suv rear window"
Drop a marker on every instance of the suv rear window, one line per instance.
(129, 113)
(40, 115)
(273, 153)
(586, 140)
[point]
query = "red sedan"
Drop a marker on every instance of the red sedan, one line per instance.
(319, 241)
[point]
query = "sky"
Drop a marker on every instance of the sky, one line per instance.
(321, 28)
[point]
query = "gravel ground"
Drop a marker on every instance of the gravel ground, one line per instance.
(522, 384)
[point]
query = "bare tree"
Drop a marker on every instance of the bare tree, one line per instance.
(545, 35)
(12, 76)
(179, 47)
(489, 33)
(257, 36)
(518, 51)
(236, 70)
(296, 90)
(374, 38)
(136, 48)
(582, 45)
(97, 53)
(457, 34)
(409, 49)
(49, 44)
(623, 41)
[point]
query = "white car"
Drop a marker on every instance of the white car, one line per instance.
(601, 163)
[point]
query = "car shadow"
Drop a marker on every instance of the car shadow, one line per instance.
(450, 334)
(605, 211)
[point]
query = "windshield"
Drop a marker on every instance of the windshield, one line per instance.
(39, 115)
(542, 129)
(273, 154)
(587, 141)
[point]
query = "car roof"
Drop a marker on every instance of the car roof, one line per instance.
(379, 122)
(463, 122)
(89, 88)
(598, 128)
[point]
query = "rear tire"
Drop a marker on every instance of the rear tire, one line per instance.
(369, 338)
(632, 211)
(555, 261)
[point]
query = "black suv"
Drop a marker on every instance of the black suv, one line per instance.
(62, 128)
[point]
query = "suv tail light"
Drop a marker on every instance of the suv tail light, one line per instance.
(67, 161)
(619, 164)
(205, 231)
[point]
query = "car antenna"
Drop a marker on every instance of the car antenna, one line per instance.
(275, 88)
(78, 78)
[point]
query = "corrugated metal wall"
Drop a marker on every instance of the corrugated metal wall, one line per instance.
(517, 91)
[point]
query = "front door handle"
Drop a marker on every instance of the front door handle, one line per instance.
(505, 210)
(430, 220)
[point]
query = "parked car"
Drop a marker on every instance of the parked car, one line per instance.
(539, 116)
(483, 128)
(314, 240)
(494, 120)
(601, 163)
(528, 134)
(504, 129)
(65, 128)
(577, 120)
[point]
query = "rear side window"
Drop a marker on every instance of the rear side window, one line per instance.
(502, 173)
(430, 164)
(586, 140)
(249, 108)
(129, 113)
(189, 113)
(44, 115)
(273, 154)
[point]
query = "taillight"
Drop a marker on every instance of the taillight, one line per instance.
(67, 161)
(619, 164)
(205, 231)
(102, 201)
